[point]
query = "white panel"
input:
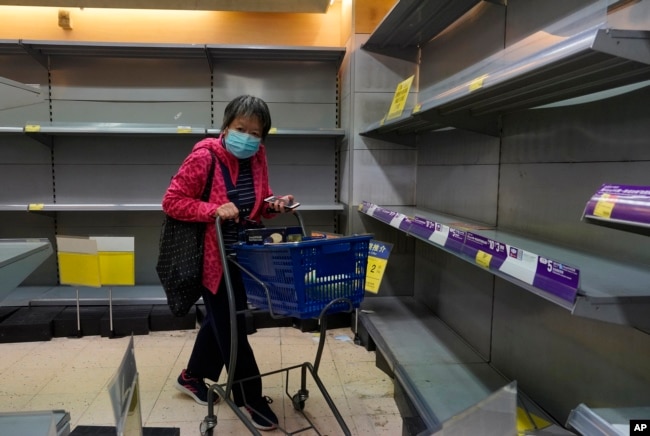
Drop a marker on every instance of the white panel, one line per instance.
(122, 150)
(29, 184)
(291, 115)
(171, 113)
(369, 107)
(302, 182)
(384, 177)
(19, 116)
(547, 200)
(112, 183)
(464, 190)
(277, 81)
(130, 79)
(457, 147)
(378, 73)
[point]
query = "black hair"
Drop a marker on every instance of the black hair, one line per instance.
(247, 106)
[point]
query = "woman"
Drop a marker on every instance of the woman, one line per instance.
(240, 185)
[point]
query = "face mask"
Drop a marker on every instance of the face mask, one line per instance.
(241, 145)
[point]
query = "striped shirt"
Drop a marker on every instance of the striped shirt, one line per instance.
(244, 198)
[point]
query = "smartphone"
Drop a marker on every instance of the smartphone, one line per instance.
(273, 198)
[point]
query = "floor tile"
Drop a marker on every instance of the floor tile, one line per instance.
(73, 373)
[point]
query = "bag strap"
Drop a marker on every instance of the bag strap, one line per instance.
(208, 184)
(231, 192)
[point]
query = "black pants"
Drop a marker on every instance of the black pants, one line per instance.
(211, 350)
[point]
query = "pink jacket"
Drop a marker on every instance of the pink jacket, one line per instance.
(182, 199)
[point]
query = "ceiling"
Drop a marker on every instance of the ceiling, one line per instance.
(291, 6)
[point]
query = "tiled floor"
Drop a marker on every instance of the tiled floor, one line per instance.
(72, 374)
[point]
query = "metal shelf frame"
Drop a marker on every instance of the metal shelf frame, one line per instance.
(609, 290)
(577, 56)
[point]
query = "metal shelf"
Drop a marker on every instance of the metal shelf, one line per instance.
(122, 207)
(307, 133)
(43, 51)
(555, 64)
(412, 23)
(79, 207)
(218, 52)
(608, 290)
(18, 259)
(605, 421)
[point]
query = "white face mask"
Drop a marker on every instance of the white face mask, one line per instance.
(241, 145)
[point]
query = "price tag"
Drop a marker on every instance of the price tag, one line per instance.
(399, 99)
(32, 128)
(520, 264)
(477, 83)
(440, 234)
(183, 129)
(397, 220)
(605, 206)
(35, 206)
(273, 130)
(378, 253)
(482, 258)
(417, 108)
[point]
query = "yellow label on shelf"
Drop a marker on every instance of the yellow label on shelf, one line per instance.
(374, 273)
(35, 206)
(417, 108)
(116, 268)
(399, 99)
(605, 206)
(529, 421)
(183, 129)
(483, 258)
(79, 269)
(273, 130)
(477, 83)
(31, 128)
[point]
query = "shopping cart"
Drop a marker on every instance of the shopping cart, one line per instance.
(308, 279)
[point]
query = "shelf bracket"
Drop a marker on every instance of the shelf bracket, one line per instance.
(38, 56)
(628, 44)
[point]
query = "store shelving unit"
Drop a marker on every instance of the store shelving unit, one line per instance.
(577, 56)
(411, 23)
(608, 290)
(110, 195)
(597, 51)
(605, 421)
(18, 259)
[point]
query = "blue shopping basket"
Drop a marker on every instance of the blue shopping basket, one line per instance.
(304, 277)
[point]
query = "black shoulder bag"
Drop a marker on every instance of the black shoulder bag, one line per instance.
(180, 257)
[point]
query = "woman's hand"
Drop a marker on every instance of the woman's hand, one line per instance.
(228, 211)
(280, 202)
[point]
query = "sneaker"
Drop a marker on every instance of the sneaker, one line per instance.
(262, 415)
(194, 387)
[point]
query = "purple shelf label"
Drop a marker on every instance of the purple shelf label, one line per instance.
(626, 203)
(557, 278)
(384, 215)
(421, 227)
(485, 252)
(455, 240)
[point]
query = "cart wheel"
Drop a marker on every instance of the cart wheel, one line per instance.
(298, 402)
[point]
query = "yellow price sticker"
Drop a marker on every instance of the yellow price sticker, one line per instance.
(483, 258)
(605, 206)
(399, 99)
(183, 129)
(374, 273)
(32, 128)
(477, 83)
(273, 130)
(36, 206)
(417, 108)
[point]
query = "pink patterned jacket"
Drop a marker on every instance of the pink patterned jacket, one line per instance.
(182, 198)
